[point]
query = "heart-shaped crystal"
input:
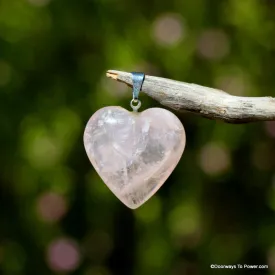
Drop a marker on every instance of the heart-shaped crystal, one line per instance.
(134, 153)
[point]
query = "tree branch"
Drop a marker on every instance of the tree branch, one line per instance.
(207, 102)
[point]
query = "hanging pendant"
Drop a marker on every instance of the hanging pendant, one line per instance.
(134, 153)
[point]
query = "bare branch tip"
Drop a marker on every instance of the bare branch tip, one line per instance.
(112, 74)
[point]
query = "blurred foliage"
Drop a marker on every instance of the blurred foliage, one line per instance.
(218, 205)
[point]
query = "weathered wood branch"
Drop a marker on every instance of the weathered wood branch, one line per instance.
(207, 102)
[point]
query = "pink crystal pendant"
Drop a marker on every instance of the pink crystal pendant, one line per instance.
(134, 153)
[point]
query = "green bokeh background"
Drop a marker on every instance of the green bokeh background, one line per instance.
(218, 205)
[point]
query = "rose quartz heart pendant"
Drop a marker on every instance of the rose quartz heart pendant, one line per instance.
(134, 153)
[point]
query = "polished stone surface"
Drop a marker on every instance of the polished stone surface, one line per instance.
(134, 153)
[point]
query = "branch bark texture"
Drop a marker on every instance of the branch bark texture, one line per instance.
(207, 102)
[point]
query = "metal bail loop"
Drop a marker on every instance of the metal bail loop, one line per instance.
(138, 79)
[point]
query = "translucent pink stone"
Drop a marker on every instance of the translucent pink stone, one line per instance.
(134, 153)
